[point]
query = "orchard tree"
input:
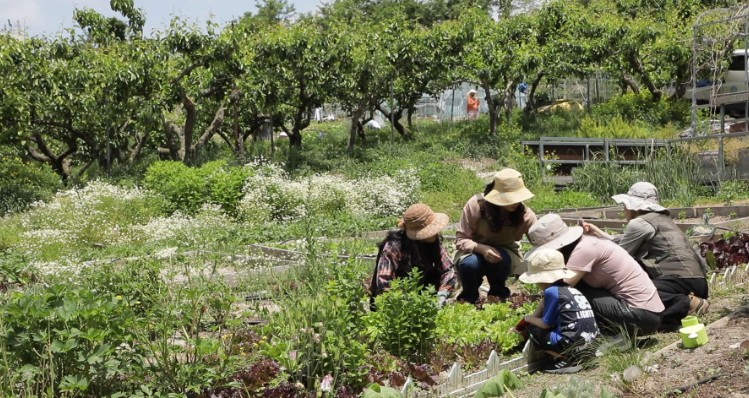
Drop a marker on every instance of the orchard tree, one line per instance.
(203, 68)
(79, 100)
(295, 71)
(494, 58)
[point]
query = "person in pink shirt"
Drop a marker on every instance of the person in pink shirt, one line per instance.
(490, 227)
(620, 292)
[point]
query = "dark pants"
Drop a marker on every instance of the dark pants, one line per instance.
(674, 293)
(541, 338)
(614, 316)
(472, 270)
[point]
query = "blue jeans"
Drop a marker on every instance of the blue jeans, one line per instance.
(472, 270)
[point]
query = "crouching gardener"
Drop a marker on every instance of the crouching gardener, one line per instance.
(416, 244)
(563, 323)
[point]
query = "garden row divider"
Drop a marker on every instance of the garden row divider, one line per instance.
(457, 385)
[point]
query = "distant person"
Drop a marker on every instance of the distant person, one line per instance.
(487, 237)
(620, 293)
(563, 324)
(472, 108)
(318, 115)
(664, 252)
(417, 244)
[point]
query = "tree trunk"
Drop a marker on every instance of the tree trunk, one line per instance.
(410, 120)
(530, 100)
(631, 83)
(493, 111)
(355, 116)
(394, 118)
(61, 164)
(636, 64)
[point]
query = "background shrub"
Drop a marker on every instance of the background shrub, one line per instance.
(23, 183)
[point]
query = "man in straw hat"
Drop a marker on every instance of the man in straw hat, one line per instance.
(416, 244)
(664, 251)
(563, 324)
(487, 237)
(621, 295)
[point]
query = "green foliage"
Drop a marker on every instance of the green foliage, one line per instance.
(15, 270)
(182, 186)
(187, 188)
(631, 107)
(464, 325)
(378, 391)
(68, 340)
(22, 184)
(319, 332)
(674, 173)
(731, 191)
(405, 321)
(498, 385)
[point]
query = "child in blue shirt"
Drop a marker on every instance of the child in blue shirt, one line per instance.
(564, 322)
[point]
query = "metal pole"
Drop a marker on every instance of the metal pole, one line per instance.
(452, 105)
(694, 80)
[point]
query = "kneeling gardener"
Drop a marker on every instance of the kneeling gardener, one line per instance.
(564, 322)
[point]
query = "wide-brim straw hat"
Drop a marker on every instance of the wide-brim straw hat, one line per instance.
(551, 232)
(508, 189)
(421, 222)
(545, 266)
(642, 196)
(471, 91)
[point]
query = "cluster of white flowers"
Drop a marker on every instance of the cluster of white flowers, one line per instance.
(270, 194)
(180, 228)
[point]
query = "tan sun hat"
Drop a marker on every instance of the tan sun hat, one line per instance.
(641, 196)
(545, 266)
(509, 188)
(421, 222)
(551, 232)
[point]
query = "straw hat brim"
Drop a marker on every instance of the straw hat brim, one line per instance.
(572, 234)
(508, 198)
(546, 276)
(438, 224)
(637, 204)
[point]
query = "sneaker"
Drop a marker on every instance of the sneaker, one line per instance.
(698, 306)
(562, 366)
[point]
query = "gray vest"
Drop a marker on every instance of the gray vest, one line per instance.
(669, 252)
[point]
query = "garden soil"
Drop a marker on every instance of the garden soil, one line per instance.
(719, 369)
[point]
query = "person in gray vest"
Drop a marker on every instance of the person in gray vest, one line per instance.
(663, 250)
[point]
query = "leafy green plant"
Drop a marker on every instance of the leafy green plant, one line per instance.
(183, 187)
(378, 391)
(405, 321)
(464, 325)
(499, 384)
(731, 191)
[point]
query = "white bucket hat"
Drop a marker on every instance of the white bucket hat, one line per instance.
(471, 91)
(551, 232)
(509, 188)
(545, 266)
(641, 196)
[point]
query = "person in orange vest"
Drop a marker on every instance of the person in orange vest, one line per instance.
(473, 105)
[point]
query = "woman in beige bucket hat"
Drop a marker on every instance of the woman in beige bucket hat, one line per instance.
(664, 252)
(415, 244)
(490, 227)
